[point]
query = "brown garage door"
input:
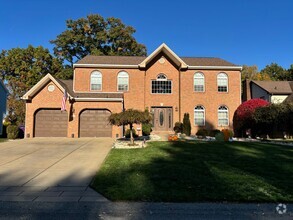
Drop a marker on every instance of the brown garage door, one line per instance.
(94, 123)
(51, 123)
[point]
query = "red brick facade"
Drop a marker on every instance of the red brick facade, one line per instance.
(182, 99)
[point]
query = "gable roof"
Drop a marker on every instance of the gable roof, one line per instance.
(142, 61)
(67, 85)
(166, 50)
(276, 87)
(36, 88)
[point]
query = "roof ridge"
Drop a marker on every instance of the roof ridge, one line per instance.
(202, 57)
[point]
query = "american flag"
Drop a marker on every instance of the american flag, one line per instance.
(63, 104)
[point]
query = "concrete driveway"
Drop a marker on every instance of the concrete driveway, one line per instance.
(43, 166)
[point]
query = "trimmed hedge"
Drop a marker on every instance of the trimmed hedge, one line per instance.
(12, 131)
(146, 129)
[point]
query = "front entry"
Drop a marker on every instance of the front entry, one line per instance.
(162, 118)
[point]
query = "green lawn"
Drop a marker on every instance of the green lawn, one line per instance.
(201, 171)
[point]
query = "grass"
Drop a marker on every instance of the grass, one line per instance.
(197, 172)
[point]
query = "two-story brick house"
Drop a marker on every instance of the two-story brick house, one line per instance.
(209, 89)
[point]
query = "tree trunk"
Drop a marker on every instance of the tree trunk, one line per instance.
(131, 136)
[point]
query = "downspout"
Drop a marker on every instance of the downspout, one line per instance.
(179, 110)
(144, 92)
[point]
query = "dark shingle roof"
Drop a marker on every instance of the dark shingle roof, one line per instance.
(68, 85)
(206, 61)
(275, 87)
(118, 60)
(135, 60)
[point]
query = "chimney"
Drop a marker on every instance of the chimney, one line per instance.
(246, 90)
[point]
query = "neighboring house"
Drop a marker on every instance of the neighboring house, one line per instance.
(3, 100)
(271, 91)
(209, 89)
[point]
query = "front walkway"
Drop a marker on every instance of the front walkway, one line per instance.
(51, 169)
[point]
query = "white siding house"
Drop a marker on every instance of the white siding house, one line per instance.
(271, 91)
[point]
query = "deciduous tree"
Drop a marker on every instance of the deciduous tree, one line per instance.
(275, 72)
(22, 68)
(249, 72)
(97, 36)
(130, 117)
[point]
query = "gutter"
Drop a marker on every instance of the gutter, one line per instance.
(107, 66)
(138, 67)
(214, 67)
(98, 99)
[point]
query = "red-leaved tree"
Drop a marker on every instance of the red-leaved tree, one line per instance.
(242, 119)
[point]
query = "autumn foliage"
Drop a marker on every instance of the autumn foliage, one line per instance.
(243, 116)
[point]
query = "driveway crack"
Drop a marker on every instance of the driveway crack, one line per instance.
(57, 162)
(19, 157)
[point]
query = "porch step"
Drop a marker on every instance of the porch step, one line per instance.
(163, 134)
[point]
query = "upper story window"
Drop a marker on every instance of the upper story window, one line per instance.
(96, 81)
(198, 82)
(223, 116)
(162, 85)
(222, 80)
(199, 115)
(123, 81)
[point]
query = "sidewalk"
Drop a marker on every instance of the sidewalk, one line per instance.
(50, 194)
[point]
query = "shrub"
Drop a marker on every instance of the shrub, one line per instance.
(243, 116)
(127, 133)
(202, 132)
(213, 133)
(146, 129)
(172, 137)
(178, 128)
(186, 124)
(227, 134)
(12, 131)
(274, 119)
(219, 136)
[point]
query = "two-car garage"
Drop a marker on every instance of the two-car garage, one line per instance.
(54, 123)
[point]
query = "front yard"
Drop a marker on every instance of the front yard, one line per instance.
(201, 171)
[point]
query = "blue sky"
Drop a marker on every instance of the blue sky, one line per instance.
(241, 31)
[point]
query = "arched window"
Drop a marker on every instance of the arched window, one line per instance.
(123, 81)
(199, 115)
(96, 81)
(222, 80)
(161, 85)
(161, 76)
(198, 82)
(223, 116)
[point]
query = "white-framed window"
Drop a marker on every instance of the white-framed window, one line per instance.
(223, 116)
(222, 80)
(199, 115)
(96, 81)
(198, 82)
(161, 85)
(123, 81)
